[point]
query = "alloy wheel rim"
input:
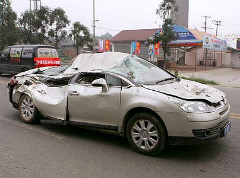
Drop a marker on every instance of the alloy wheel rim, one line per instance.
(27, 108)
(144, 134)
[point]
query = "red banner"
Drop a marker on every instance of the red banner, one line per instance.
(138, 48)
(107, 45)
(157, 48)
(44, 62)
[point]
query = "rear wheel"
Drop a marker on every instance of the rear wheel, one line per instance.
(146, 134)
(27, 111)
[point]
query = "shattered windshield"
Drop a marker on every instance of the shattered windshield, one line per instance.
(140, 71)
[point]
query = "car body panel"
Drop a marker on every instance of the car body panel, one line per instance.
(92, 105)
(51, 101)
(189, 90)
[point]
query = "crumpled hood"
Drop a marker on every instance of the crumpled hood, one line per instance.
(190, 90)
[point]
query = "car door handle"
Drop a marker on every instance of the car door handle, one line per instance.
(74, 93)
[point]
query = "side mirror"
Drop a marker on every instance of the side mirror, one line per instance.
(100, 83)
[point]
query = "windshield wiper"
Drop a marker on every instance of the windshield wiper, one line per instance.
(166, 79)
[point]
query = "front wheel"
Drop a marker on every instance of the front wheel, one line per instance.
(146, 134)
(27, 111)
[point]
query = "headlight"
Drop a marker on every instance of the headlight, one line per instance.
(192, 106)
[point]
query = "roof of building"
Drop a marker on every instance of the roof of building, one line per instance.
(199, 34)
(134, 35)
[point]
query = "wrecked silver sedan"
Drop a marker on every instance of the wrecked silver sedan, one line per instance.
(125, 94)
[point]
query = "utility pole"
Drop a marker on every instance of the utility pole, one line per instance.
(94, 26)
(1, 22)
(205, 23)
(217, 23)
(205, 29)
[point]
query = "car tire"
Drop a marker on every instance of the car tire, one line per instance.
(27, 111)
(146, 134)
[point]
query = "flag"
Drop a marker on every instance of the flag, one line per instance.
(238, 43)
(138, 48)
(101, 46)
(157, 48)
(107, 45)
(151, 50)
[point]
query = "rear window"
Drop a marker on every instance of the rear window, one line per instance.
(47, 53)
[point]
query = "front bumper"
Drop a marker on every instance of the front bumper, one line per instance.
(203, 136)
(10, 94)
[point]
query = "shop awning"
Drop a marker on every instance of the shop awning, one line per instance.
(185, 38)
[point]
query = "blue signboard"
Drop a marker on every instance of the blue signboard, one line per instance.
(133, 47)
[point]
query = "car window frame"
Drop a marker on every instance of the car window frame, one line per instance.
(5, 56)
(77, 77)
(117, 78)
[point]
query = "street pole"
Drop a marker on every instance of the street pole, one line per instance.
(1, 19)
(205, 30)
(205, 23)
(30, 7)
(94, 26)
(217, 23)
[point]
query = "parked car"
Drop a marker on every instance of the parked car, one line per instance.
(128, 95)
(19, 58)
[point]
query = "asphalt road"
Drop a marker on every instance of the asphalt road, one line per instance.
(58, 151)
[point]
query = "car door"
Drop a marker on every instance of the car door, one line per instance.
(4, 60)
(91, 105)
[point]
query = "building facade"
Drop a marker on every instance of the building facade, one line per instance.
(123, 40)
(183, 52)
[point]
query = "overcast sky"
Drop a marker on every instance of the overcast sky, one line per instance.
(117, 15)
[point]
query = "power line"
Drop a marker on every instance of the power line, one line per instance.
(108, 28)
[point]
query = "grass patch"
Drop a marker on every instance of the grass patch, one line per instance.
(201, 80)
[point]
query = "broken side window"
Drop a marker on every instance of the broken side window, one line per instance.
(88, 78)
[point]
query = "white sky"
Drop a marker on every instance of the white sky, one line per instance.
(117, 15)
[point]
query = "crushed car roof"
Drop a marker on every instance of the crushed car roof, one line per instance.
(96, 61)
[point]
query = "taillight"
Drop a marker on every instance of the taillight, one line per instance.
(12, 81)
